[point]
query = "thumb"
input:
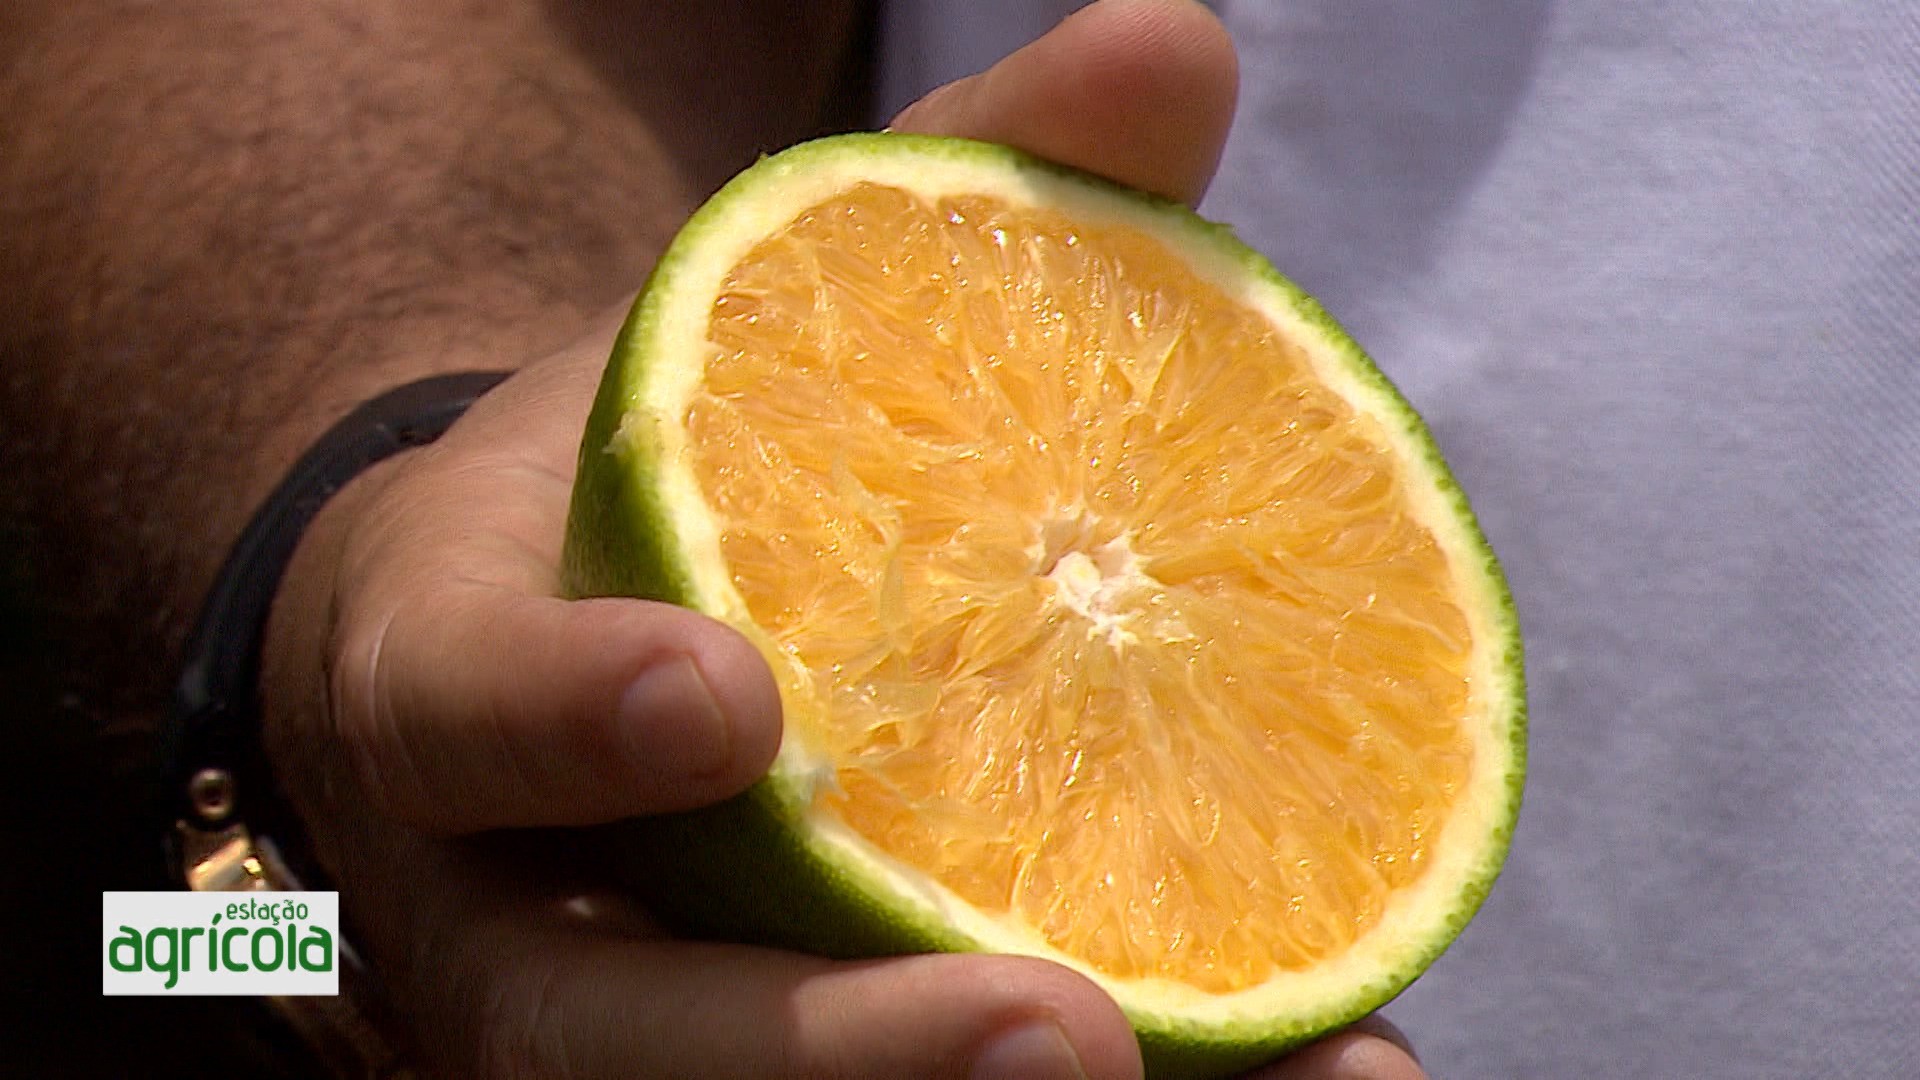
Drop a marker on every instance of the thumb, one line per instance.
(465, 694)
(1139, 91)
(469, 707)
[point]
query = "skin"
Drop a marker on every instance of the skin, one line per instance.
(402, 191)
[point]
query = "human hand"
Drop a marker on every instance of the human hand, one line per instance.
(433, 705)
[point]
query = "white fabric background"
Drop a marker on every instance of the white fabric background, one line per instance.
(1652, 273)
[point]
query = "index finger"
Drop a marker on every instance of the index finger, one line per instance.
(1139, 91)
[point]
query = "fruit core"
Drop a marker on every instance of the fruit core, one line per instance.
(1109, 615)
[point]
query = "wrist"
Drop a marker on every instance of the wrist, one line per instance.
(294, 650)
(352, 849)
(212, 750)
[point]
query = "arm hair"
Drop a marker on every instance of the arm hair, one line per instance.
(224, 224)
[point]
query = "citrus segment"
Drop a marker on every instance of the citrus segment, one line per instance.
(1111, 618)
(1123, 613)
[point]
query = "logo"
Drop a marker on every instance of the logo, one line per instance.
(220, 943)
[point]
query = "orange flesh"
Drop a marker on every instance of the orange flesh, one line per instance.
(1111, 618)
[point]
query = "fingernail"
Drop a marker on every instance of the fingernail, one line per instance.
(1036, 1050)
(671, 722)
(916, 115)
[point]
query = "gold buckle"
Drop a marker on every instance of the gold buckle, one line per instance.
(226, 856)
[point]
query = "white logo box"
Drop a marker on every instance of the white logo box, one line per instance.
(220, 943)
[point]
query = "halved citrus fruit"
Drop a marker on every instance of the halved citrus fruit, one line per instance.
(1123, 613)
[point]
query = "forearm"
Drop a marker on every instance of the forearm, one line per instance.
(227, 224)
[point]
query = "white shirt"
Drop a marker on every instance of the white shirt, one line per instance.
(1652, 274)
